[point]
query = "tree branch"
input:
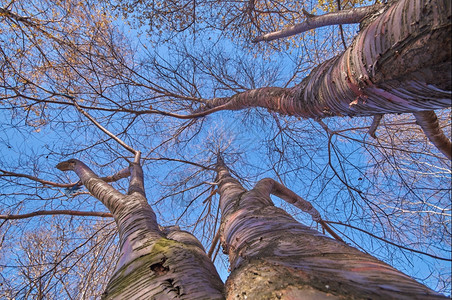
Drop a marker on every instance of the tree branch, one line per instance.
(430, 125)
(341, 30)
(97, 124)
(136, 183)
(124, 173)
(98, 188)
(389, 242)
(181, 161)
(374, 125)
(275, 188)
(44, 182)
(57, 212)
(214, 243)
(350, 16)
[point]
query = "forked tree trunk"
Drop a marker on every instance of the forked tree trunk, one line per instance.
(154, 263)
(272, 256)
(399, 63)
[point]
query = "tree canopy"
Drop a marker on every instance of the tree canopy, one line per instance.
(95, 80)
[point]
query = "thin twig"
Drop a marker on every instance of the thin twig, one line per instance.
(341, 30)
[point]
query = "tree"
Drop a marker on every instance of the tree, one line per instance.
(153, 263)
(274, 256)
(67, 69)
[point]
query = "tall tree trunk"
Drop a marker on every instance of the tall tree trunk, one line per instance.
(154, 263)
(398, 63)
(272, 256)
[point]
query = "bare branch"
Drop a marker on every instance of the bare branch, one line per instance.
(181, 161)
(137, 157)
(214, 244)
(98, 188)
(374, 126)
(389, 242)
(430, 125)
(136, 183)
(289, 196)
(44, 182)
(124, 173)
(114, 137)
(341, 29)
(351, 16)
(57, 212)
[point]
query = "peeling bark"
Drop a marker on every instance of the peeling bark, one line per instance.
(398, 63)
(154, 263)
(430, 125)
(272, 256)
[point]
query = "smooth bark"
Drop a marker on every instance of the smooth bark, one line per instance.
(398, 63)
(154, 263)
(272, 256)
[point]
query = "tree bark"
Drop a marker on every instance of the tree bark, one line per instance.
(272, 256)
(398, 63)
(154, 263)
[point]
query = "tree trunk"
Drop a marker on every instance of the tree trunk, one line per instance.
(398, 63)
(272, 256)
(154, 263)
